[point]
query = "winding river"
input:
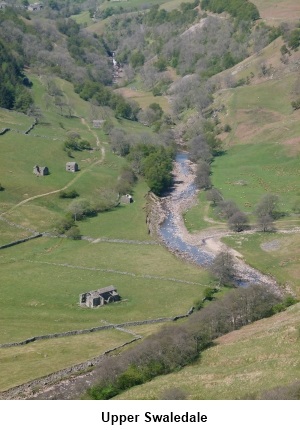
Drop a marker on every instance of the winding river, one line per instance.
(193, 247)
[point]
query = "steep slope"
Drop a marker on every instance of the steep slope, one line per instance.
(243, 364)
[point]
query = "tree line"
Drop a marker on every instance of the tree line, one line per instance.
(178, 345)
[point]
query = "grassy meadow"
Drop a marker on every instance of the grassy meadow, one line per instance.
(263, 147)
(56, 271)
(34, 360)
(276, 11)
(275, 254)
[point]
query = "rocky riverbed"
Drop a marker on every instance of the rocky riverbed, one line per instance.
(200, 247)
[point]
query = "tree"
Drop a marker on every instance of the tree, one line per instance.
(119, 142)
(202, 179)
(161, 64)
(267, 206)
(214, 195)
(223, 269)
(73, 233)
(137, 59)
(238, 221)
(79, 208)
(265, 223)
(227, 208)
(157, 168)
(199, 149)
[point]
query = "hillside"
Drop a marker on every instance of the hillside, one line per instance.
(277, 11)
(186, 79)
(241, 365)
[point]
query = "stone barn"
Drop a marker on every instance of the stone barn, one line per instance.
(40, 171)
(126, 199)
(34, 7)
(103, 296)
(97, 123)
(72, 166)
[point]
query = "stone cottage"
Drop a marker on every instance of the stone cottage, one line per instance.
(40, 171)
(72, 166)
(100, 297)
(97, 123)
(126, 199)
(34, 7)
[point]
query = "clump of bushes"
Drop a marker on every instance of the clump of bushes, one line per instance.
(75, 143)
(67, 226)
(126, 181)
(296, 104)
(72, 194)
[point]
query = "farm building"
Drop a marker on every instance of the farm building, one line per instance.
(97, 123)
(126, 199)
(71, 166)
(100, 297)
(40, 171)
(35, 7)
(3, 5)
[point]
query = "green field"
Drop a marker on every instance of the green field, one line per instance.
(262, 168)
(201, 216)
(272, 253)
(46, 356)
(14, 120)
(55, 271)
(277, 11)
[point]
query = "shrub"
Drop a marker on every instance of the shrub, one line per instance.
(72, 194)
(214, 195)
(173, 394)
(294, 39)
(63, 225)
(223, 269)
(238, 221)
(296, 104)
(73, 233)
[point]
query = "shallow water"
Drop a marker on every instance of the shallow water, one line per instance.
(170, 235)
(168, 228)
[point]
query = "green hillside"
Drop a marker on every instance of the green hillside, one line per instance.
(242, 365)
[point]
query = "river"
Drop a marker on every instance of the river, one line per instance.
(194, 247)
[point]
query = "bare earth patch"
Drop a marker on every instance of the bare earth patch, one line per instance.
(273, 245)
(293, 146)
(248, 126)
(129, 92)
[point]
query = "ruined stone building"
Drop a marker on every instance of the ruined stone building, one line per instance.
(72, 166)
(100, 297)
(40, 171)
(127, 198)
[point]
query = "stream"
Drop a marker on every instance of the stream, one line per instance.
(179, 241)
(169, 229)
